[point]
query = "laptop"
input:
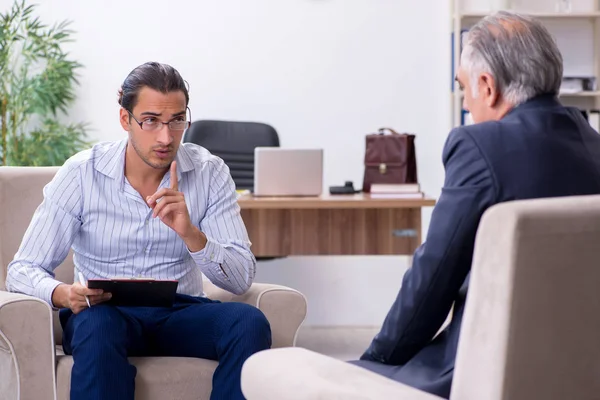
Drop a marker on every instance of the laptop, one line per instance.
(288, 172)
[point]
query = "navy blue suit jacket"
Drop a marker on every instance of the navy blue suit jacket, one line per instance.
(539, 149)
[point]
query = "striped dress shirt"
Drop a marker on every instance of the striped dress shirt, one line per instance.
(90, 206)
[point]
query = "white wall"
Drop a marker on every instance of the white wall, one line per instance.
(322, 72)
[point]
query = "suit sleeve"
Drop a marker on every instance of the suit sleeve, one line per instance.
(443, 261)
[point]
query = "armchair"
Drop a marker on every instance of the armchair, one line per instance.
(530, 326)
(32, 364)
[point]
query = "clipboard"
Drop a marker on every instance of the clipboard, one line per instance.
(137, 292)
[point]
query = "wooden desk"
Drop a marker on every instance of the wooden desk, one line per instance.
(332, 225)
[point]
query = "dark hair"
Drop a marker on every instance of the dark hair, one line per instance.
(157, 76)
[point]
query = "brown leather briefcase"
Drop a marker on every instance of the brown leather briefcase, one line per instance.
(389, 158)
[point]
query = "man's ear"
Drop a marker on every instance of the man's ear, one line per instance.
(124, 119)
(488, 91)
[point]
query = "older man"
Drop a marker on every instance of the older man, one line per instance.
(524, 145)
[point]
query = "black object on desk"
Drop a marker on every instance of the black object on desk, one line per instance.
(137, 292)
(348, 188)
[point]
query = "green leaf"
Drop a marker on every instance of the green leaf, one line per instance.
(38, 78)
(52, 144)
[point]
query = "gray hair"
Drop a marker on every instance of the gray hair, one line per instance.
(518, 51)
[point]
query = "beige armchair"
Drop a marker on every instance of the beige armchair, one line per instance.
(32, 364)
(531, 323)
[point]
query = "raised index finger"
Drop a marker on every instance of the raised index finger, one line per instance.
(174, 184)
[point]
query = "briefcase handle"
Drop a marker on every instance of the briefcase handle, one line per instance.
(382, 131)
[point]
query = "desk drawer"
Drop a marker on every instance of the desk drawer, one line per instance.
(286, 232)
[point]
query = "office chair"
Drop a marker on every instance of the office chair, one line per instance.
(234, 142)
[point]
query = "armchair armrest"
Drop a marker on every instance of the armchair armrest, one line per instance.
(300, 374)
(27, 353)
(285, 308)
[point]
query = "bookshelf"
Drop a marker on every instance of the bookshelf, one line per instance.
(577, 33)
(548, 15)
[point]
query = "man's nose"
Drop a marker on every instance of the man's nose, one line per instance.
(164, 135)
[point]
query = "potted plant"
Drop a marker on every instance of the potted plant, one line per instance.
(37, 81)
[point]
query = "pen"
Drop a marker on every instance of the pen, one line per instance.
(82, 281)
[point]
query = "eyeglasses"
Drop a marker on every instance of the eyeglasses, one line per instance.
(152, 124)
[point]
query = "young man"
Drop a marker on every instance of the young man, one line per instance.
(144, 206)
(524, 145)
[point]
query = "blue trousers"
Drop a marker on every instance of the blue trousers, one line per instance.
(101, 338)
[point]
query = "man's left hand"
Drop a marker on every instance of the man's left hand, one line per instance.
(169, 205)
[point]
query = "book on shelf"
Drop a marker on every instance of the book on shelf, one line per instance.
(463, 33)
(578, 84)
(593, 117)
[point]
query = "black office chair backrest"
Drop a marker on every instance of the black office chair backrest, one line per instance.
(234, 142)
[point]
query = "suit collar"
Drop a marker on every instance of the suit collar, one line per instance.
(541, 101)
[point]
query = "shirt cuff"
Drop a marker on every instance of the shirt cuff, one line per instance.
(210, 260)
(211, 254)
(45, 288)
